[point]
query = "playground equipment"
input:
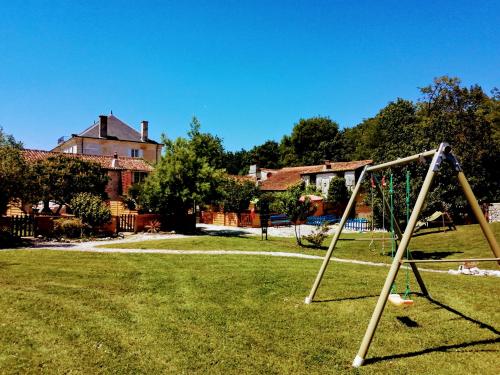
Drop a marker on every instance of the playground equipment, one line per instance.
(442, 154)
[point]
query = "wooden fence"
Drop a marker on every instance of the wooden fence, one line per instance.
(22, 225)
(126, 223)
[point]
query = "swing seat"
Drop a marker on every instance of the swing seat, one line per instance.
(397, 300)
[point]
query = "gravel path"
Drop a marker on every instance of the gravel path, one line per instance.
(91, 246)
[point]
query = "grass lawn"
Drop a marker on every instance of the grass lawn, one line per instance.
(70, 312)
(466, 242)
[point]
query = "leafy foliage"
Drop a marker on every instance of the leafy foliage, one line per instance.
(184, 177)
(60, 178)
(69, 227)
(13, 171)
(318, 236)
(236, 194)
(91, 209)
(337, 191)
(290, 203)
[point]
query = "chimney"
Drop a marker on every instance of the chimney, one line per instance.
(328, 164)
(103, 126)
(114, 162)
(144, 131)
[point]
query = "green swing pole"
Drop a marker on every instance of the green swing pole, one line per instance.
(391, 216)
(413, 266)
(384, 294)
(407, 200)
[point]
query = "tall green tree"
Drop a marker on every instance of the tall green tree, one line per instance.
(183, 178)
(316, 139)
(267, 155)
(13, 171)
(207, 146)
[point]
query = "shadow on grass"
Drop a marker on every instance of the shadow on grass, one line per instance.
(442, 348)
(435, 231)
(223, 233)
(4, 265)
(419, 254)
(410, 323)
(344, 299)
(463, 316)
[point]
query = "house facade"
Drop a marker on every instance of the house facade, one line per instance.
(122, 172)
(275, 180)
(318, 175)
(110, 136)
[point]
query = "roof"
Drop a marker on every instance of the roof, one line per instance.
(342, 166)
(133, 164)
(242, 178)
(116, 129)
(282, 179)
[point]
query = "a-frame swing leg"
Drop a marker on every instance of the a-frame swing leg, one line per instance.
(397, 229)
(328, 255)
(384, 294)
(490, 237)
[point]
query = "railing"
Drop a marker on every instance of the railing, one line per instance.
(360, 224)
(126, 223)
(22, 226)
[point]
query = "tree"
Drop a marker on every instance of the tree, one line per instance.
(464, 117)
(238, 162)
(315, 140)
(59, 178)
(13, 171)
(266, 155)
(290, 203)
(183, 178)
(207, 146)
(236, 194)
(337, 191)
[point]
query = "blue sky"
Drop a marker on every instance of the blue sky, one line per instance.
(248, 70)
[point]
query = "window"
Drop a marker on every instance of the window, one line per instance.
(139, 177)
(134, 152)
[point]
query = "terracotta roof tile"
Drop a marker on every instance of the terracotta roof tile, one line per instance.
(133, 164)
(282, 179)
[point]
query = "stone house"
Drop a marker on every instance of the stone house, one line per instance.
(109, 136)
(318, 175)
(275, 180)
(122, 173)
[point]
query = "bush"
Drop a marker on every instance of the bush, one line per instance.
(91, 209)
(69, 227)
(8, 241)
(337, 191)
(317, 237)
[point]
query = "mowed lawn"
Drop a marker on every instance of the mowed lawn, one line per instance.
(466, 242)
(70, 312)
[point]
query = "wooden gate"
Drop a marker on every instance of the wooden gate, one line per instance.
(126, 223)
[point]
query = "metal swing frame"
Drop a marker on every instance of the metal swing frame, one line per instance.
(442, 153)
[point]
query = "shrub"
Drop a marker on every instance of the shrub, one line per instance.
(319, 234)
(68, 227)
(91, 209)
(337, 191)
(8, 241)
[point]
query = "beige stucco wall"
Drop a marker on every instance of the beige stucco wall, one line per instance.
(149, 152)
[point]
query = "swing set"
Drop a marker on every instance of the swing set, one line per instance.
(400, 240)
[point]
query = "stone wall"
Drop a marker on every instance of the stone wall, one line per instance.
(494, 212)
